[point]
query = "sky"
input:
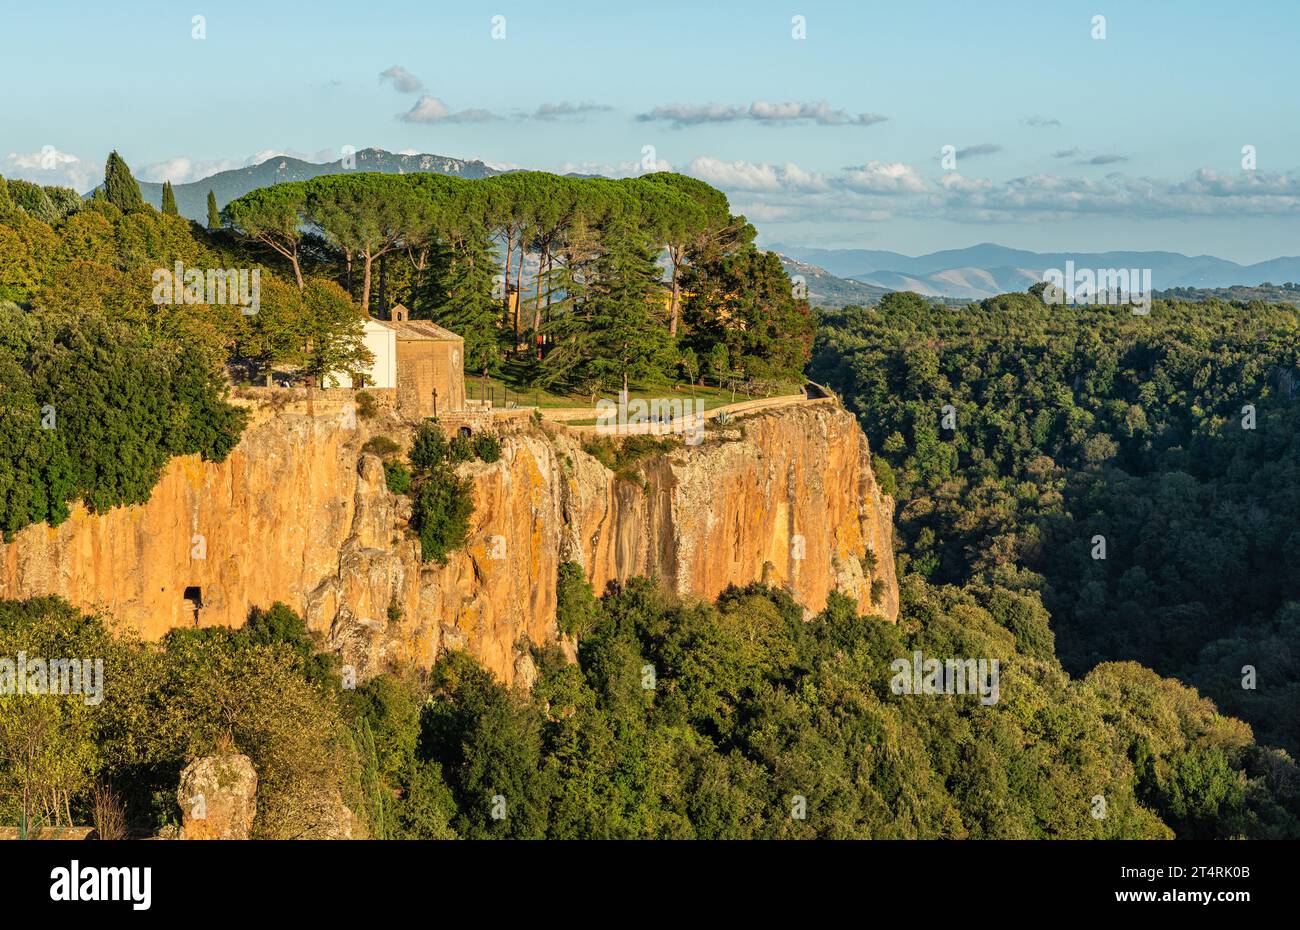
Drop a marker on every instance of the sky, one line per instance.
(825, 122)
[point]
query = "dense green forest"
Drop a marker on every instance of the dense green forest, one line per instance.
(680, 720)
(1172, 439)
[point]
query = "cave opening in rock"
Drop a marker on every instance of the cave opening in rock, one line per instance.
(193, 602)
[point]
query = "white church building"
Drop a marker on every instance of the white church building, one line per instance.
(381, 340)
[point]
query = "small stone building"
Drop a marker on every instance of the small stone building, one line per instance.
(430, 366)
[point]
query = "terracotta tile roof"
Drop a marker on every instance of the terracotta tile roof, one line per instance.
(421, 330)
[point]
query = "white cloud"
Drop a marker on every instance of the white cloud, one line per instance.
(52, 168)
(403, 80)
(750, 176)
(429, 109)
(883, 177)
(974, 151)
(564, 110)
(880, 190)
(760, 111)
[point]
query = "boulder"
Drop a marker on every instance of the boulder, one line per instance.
(218, 798)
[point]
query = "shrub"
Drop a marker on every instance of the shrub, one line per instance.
(397, 476)
(429, 449)
(381, 446)
(443, 506)
(877, 591)
(443, 503)
(367, 407)
(461, 450)
(576, 607)
(487, 447)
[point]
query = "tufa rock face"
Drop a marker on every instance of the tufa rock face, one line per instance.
(218, 798)
(298, 514)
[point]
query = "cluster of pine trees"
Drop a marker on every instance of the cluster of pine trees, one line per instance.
(561, 274)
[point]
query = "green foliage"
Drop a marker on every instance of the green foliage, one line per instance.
(367, 406)
(576, 608)
(94, 412)
(487, 447)
(429, 448)
(1079, 422)
(382, 446)
(163, 704)
(460, 449)
(64, 200)
(398, 477)
(680, 720)
(281, 625)
(443, 502)
(749, 706)
(169, 200)
(214, 215)
(33, 200)
(458, 292)
(120, 187)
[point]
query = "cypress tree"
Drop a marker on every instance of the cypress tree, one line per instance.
(621, 308)
(5, 201)
(461, 297)
(119, 186)
(214, 215)
(169, 200)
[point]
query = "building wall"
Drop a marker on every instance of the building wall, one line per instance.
(424, 365)
(382, 343)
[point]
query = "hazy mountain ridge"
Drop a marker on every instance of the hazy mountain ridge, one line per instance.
(828, 290)
(987, 269)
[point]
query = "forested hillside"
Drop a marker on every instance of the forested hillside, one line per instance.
(679, 720)
(1166, 443)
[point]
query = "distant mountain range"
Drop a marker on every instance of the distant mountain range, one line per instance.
(827, 290)
(192, 198)
(987, 269)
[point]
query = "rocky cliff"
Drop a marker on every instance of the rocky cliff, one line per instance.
(299, 514)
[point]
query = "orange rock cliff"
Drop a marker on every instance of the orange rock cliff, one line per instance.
(299, 514)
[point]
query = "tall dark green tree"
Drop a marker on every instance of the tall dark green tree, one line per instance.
(631, 344)
(462, 300)
(120, 186)
(169, 200)
(214, 215)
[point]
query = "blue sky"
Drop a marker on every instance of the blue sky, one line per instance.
(1063, 141)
